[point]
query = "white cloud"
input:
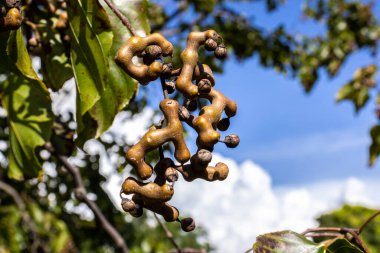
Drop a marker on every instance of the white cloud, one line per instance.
(245, 205)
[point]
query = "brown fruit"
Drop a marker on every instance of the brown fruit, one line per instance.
(210, 45)
(137, 212)
(220, 52)
(209, 116)
(153, 51)
(223, 124)
(191, 105)
(170, 86)
(13, 19)
(189, 58)
(204, 86)
(149, 190)
(134, 47)
(183, 113)
(128, 205)
(154, 138)
(171, 175)
(187, 224)
(232, 140)
(204, 156)
(32, 42)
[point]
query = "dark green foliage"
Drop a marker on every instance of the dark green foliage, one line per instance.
(353, 217)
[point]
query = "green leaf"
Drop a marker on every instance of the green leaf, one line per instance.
(340, 245)
(91, 40)
(357, 90)
(119, 88)
(354, 92)
(55, 65)
(285, 241)
(291, 242)
(374, 149)
(28, 105)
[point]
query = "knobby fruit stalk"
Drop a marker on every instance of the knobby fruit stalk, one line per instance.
(194, 81)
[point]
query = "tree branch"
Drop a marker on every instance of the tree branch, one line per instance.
(81, 194)
(353, 232)
(24, 214)
(168, 234)
(373, 216)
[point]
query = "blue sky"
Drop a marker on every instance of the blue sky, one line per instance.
(297, 138)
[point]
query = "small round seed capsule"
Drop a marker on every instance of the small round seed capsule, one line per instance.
(13, 19)
(223, 124)
(32, 42)
(167, 69)
(170, 86)
(187, 224)
(232, 140)
(153, 51)
(128, 205)
(171, 175)
(191, 105)
(151, 54)
(220, 52)
(204, 156)
(204, 86)
(210, 45)
(137, 212)
(183, 113)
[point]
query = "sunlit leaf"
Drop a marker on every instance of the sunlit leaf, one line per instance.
(28, 106)
(355, 93)
(285, 241)
(291, 242)
(98, 107)
(374, 149)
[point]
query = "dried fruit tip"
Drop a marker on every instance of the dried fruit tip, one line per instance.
(204, 156)
(220, 52)
(187, 224)
(232, 140)
(211, 45)
(223, 124)
(128, 205)
(183, 113)
(204, 86)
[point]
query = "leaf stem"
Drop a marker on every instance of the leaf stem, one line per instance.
(121, 16)
(164, 90)
(12, 192)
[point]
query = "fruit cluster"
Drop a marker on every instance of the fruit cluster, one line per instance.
(194, 81)
(10, 15)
